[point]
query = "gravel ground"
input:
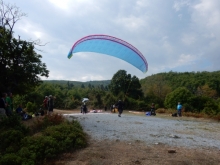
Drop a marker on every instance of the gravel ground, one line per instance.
(172, 131)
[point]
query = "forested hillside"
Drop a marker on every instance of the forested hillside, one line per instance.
(207, 83)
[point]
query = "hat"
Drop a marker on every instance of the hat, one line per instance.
(45, 96)
(50, 96)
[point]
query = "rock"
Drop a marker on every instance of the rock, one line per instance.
(174, 136)
(171, 151)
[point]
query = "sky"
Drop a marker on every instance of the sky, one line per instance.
(173, 35)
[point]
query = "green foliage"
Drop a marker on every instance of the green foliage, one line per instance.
(19, 100)
(54, 136)
(48, 120)
(123, 82)
(73, 84)
(20, 65)
(10, 140)
(109, 99)
(69, 135)
(211, 108)
(181, 94)
(11, 159)
(131, 103)
(12, 122)
(54, 140)
(31, 107)
(190, 80)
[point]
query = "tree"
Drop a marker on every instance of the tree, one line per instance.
(123, 82)
(134, 89)
(20, 65)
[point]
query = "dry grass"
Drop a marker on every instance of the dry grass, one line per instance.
(187, 114)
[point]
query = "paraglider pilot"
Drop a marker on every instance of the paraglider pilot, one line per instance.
(120, 107)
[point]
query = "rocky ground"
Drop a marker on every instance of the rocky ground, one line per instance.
(137, 139)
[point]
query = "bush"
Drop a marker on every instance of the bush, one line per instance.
(39, 148)
(48, 120)
(55, 136)
(12, 122)
(53, 140)
(210, 107)
(10, 140)
(69, 135)
(181, 94)
(131, 103)
(10, 159)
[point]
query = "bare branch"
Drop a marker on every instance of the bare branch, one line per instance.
(37, 43)
(9, 15)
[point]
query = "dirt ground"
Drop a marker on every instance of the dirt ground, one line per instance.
(132, 153)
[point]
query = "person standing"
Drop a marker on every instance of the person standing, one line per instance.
(45, 104)
(120, 107)
(84, 109)
(81, 108)
(179, 109)
(152, 110)
(3, 105)
(50, 104)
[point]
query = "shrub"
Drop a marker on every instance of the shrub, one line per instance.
(53, 140)
(39, 148)
(131, 103)
(10, 140)
(48, 120)
(10, 159)
(31, 107)
(69, 135)
(12, 122)
(161, 110)
(56, 136)
(180, 94)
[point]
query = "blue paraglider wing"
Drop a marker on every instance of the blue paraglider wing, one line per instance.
(112, 46)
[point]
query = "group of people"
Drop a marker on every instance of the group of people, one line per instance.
(6, 104)
(48, 104)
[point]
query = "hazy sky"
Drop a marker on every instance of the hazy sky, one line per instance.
(177, 35)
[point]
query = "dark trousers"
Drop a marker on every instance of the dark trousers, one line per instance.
(120, 111)
(179, 112)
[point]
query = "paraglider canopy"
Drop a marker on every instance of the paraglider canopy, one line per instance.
(85, 100)
(112, 46)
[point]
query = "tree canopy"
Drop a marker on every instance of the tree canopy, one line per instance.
(20, 64)
(123, 83)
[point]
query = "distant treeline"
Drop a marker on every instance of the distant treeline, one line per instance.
(199, 92)
(79, 83)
